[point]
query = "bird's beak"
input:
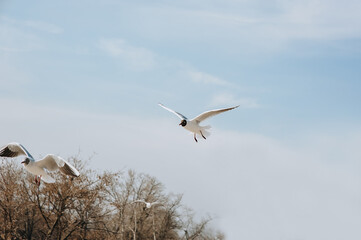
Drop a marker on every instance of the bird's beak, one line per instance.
(180, 124)
(23, 161)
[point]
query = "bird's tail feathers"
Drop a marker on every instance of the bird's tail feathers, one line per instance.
(47, 179)
(205, 132)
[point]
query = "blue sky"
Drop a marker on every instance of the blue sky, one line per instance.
(255, 54)
(88, 75)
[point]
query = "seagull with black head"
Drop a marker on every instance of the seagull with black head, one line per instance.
(192, 125)
(39, 168)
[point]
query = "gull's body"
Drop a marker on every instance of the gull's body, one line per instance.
(192, 125)
(33, 168)
(39, 168)
(147, 204)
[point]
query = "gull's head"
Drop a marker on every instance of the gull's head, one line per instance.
(26, 161)
(183, 123)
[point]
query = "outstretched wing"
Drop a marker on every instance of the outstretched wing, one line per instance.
(211, 113)
(181, 116)
(53, 163)
(155, 203)
(13, 150)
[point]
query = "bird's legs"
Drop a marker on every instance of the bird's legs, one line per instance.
(202, 135)
(37, 179)
(195, 138)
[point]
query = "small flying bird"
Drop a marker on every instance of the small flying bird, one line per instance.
(193, 124)
(148, 204)
(50, 162)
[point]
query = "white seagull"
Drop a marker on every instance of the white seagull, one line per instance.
(148, 204)
(50, 162)
(193, 124)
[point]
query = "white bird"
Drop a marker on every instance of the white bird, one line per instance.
(148, 204)
(50, 162)
(193, 124)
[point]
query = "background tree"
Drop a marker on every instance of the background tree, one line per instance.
(93, 206)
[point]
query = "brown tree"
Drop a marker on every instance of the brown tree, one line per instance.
(93, 206)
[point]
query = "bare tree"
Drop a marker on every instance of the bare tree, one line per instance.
(93, 206)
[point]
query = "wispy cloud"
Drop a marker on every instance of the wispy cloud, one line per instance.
(223, 99)
(44, 26)
(13, 80)
(205, 78)
(246, 27)
(11, 50)
(224, 18)
(36, 25)
(13, 40)
(319, 19)
(136, 58)
(16, 37)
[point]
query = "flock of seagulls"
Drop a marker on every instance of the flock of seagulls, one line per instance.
(51, 162)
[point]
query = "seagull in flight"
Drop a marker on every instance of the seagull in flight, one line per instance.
(192, 125)
(38, 168)
(148, 204)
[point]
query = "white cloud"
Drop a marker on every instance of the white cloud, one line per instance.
(44, 26)
(225, 99)
(321, 19)
(18, 36)
(12, 79)
(136, 58)
(15, 39)
(205, 78)
(247, 26)
(288, 20)
(221, 17)
(37, 25)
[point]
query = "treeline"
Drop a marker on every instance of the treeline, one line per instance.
(93, 206)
